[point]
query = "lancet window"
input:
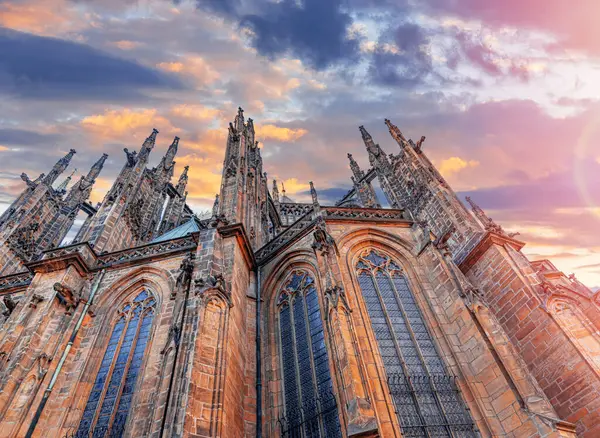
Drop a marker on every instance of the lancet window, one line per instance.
(108, 405)
(426, 397)
(310, 404)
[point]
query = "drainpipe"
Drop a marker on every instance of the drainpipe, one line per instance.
(258, 363)
(63, 358)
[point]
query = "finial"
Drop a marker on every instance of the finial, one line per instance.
(396, 133)
(62, 188)
(313, 193)
(215, 209)
(282, 188)
(358, 173)
(365, 135)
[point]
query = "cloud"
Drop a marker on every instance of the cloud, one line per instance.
(272, 132)
(315, 31)
(35, 67)
(453, 165)
(192, 66)
(21, 137)
(114, 123)
(196, 112)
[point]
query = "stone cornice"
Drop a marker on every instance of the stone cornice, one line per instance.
(489, 239)
(79, 255)
(239, 232)
(378, 215)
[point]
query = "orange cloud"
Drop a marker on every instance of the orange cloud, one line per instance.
(116, 122)
(272, 132)
(193, 66)
(127, 45)
(54, 18)
(453, 165)
(198, 112)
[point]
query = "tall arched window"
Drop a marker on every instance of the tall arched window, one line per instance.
(310, 405)
(109, 402)
(428, 403)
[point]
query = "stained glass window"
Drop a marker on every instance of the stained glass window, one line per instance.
(310, 405)
(427, 399)
(109, 402)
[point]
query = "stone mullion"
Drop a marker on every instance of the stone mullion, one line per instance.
(413, 337)
(312, 359)
(110, 371)
(296, 356)
(399, 353)
(127, 366)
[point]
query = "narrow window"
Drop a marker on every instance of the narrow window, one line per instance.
(310, 405)
(109, 402)
(427, 399)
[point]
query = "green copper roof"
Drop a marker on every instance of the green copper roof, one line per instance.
(182, 230)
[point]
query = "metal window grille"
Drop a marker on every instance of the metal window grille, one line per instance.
(310, 404)
(108, 405)
(427, 400)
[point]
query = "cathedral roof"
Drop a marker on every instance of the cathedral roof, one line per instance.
(287, 200)
(191, 226)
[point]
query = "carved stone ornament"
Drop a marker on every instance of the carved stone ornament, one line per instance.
(211, 282)
(10, 305)
(185, 275)
(67, 297)
(323, 241)
(35, 300)
(441, 243)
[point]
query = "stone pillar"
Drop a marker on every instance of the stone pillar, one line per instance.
(354, 400)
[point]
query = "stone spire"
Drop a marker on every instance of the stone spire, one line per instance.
(62, 188)
(59, 168)
(148, 145)
(358, 173)
(396, 133)
(373, 149)
(239, 120)
(313, 193)
(167, 160)
(183, 180)
(96, 169)
(275, 192)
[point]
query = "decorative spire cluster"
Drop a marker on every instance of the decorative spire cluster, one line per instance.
(59, 168)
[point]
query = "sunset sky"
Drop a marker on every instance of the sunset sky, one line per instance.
(506, 92)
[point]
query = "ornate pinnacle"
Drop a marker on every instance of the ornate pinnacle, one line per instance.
(59, 167)
(282, 188)
(96, 168)
(167, 160)
(183, 179)
(365, 135)
(396, 133)
(62, 188)
(148, 144)
(215, 209)
(313, 193)
(358, 173)
(275, 191)
(239, 120)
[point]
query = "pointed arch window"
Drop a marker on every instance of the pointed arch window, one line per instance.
(310, 404)
(427, 399)
(109, 402)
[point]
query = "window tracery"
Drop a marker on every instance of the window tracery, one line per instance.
(108, 405)
(427, 399)
(310, 405)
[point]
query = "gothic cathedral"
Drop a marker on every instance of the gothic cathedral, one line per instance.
(411, 316)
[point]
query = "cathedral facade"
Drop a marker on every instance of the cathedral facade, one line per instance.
(273, 318)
